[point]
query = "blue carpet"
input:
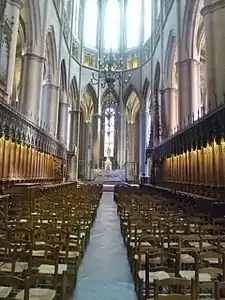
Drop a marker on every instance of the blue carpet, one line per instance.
(105, 273)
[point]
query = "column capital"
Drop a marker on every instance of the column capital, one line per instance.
(63, 103)
(169, 89)
(187, 62)
(212, 7)
(75, 111)
(97, 115)
(51, 85)
(18, 3)
(34, 56)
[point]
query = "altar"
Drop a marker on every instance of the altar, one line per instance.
(102, 176)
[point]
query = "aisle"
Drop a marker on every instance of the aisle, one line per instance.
(104, 273)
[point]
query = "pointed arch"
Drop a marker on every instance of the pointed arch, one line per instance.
(191, 19)
(145, 89)
(89, 89)
(105, 94)
(132, 106)
(74, 92)
(87, 106)
(128, 91)
(32, 17)
(51, 52)
(170, 59)
(63, 76)
(157, 77)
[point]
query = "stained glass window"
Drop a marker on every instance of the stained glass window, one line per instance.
(112, 25)
(109, 136)
(133, 20)
(90, 23)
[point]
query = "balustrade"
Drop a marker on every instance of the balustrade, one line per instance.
(193, 159)
(26, 151)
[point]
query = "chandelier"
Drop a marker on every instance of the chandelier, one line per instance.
(110, 71)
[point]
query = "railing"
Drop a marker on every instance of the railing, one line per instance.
(17, 127)
(193, 135)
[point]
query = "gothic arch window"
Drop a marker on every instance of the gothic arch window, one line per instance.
(76, 17)
(112, 25)
(109, 134)
(90, 23)
(147, 19)
(133, 23)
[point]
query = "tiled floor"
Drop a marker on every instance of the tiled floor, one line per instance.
(104, 273)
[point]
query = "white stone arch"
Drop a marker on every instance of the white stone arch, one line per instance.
(192, 20)
(50, 55)
(170, 92)
(132, 107)
(170, 61)
(87, 106)
(193, 46)
(33, 24)
(73, 93)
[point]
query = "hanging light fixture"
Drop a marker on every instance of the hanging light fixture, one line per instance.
(110, 71)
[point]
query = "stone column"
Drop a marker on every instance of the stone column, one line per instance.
(171, 110)
(122, 139)
(188, 89)
(214, 21)
(131, 129)
(88, 152)
(142, 141)
(73, 170)
(96, 140)
(49, 107)
(63, 118)
(12, 11)
(31, 85)
(54, 107)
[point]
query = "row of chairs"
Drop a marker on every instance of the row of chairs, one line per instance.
(43, 239)
(165, 242)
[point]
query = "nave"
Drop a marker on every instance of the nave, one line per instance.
(70, 241)
(104, 272)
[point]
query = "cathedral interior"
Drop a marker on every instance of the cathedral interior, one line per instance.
(112, 149)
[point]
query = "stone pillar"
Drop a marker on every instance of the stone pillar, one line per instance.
(88, 152)
(188, 89)
(214, 21)
(122, 139)
(12, 11)
(49, 107)
(74, 134)
(96, 140)
(54, 107)
(171, 110)
(131, 129)
(63, 119)
(142, 141)
(31, 83)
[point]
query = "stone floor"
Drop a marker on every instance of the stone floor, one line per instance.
(104, 273)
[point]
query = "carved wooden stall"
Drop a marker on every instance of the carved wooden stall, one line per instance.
(27, 153)
(193, 160)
